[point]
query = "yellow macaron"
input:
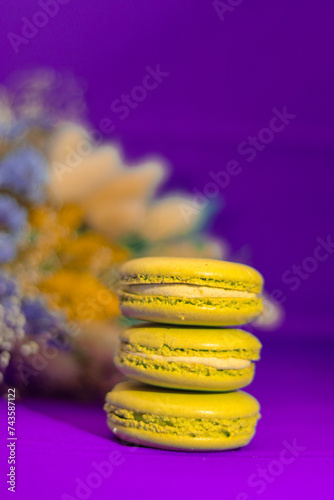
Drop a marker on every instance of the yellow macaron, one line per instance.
(179, 420)
(186, 357)
(190, 291)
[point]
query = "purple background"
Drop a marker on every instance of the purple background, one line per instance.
(225, 77)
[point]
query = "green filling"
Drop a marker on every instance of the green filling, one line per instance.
(223, 303)
(138, 361)
(194, 427)
(165, 350)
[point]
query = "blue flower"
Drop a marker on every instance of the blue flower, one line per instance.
(8, 286)
(41, 321)
(13, 217)
(8, 247)
(13, 220)
(25, 173)
(25, 324)
(13, 131)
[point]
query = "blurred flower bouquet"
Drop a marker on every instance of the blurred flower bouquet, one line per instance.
(70, 212)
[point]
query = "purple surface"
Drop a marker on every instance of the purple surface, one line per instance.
(224, 80)
(59, 442)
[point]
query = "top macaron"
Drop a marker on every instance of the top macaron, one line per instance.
(189, 291)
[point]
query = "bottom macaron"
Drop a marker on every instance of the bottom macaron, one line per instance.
(181, 420)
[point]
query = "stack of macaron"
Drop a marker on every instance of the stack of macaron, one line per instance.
(186, 367)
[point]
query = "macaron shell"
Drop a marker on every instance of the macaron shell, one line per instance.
(181, 311)
(155, 336)
(140, 437)
(185, 380)
(148, 399)
(208, 272)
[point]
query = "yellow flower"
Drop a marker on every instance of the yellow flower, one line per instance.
(49, 228)
(80, 295)
(67, 218)
(90, 251)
